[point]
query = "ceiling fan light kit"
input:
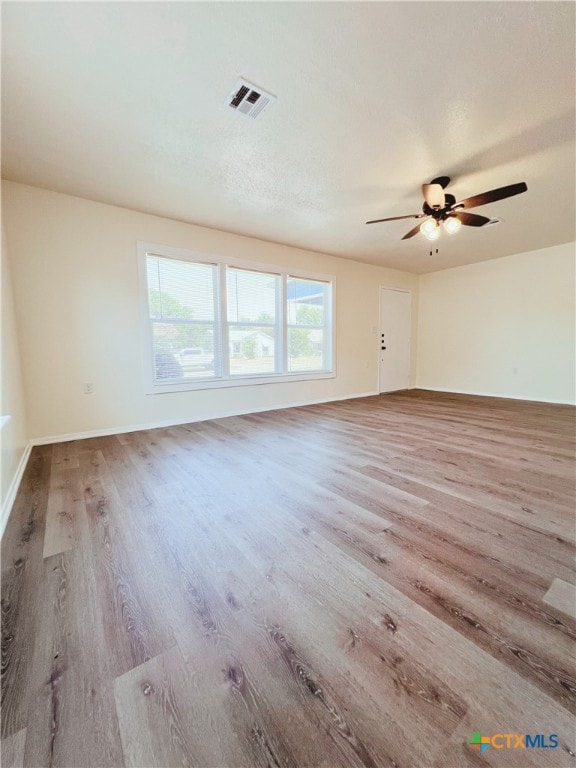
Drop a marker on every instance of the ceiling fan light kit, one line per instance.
(441, 208)
(428, 226)
(430, 229)
(433, 235)
(452, 224)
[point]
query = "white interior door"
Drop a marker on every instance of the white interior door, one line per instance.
(395, 327)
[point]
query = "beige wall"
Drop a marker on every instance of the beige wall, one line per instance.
(503, 327)
(75, 273)
(13, 435)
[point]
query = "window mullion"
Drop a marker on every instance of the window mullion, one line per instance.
(224, 339)
(330, 330)
(284, 324)
(278, 334)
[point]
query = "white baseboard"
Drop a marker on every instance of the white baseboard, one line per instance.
(13, 489)
(494, 394)
(177, 422)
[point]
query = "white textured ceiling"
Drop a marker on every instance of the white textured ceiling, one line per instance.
(123, 103)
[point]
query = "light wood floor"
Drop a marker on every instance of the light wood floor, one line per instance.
(363, 583)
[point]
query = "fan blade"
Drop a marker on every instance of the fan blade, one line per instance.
(493, 195)
(442, 180)
(470, 219)
(397, 218)
(412, 232)
(434, 195)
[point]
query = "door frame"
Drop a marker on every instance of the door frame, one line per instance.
(400, 290)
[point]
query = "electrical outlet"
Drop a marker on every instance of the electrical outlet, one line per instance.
(88, 387)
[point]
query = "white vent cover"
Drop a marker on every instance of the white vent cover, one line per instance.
(249, 100)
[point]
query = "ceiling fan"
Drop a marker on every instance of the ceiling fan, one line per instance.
(441, 208)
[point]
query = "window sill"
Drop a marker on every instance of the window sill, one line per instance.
(237, 381)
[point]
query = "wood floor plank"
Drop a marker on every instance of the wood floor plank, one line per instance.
(173, 714)
(359, 583)
(562, 596)
(22, 546)
(65, 455)
(71, 718)
(12, 750)
(66, 514)
(126, 585)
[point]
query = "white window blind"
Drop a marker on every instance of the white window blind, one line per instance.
(183, 303)
(213, 323)
(254, 322)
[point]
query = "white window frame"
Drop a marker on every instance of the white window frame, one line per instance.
(152, 387)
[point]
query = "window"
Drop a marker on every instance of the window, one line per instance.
(213, 323)
(254, 321)
(183, 304)
(308, 334)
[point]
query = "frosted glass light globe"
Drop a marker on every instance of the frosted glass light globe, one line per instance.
(428, 226)
(452, 225)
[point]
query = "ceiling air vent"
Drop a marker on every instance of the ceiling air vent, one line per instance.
(249, 100)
